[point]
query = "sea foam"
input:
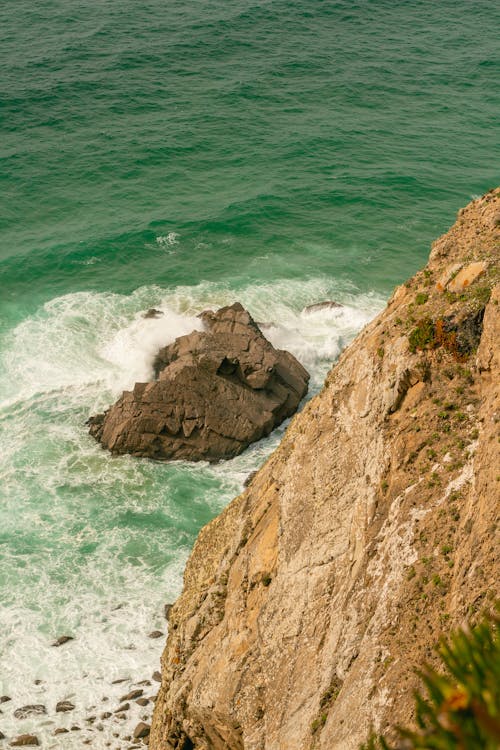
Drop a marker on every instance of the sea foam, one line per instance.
(94, 545)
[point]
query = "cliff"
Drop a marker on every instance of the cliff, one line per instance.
(370, 531)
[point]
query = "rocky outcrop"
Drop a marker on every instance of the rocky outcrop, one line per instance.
(216, 391)
(369, 532)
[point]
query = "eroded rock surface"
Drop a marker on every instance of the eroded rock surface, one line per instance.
(216, 391)
(310, 600)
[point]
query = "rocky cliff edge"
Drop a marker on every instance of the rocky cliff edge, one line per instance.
(369, 532)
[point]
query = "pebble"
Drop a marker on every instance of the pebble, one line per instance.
(62, 640)
(25, 740)
(141, 730)
(25, 711)
(132, 695)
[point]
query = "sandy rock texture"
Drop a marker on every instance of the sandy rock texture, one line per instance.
(369, 532)
(216, 391)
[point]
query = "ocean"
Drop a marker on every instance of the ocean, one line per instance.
(184, 156)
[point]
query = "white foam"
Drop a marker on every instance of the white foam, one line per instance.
(133, 348)
(83, 531)
(168, 240)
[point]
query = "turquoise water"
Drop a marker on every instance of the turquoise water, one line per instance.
(183, 155)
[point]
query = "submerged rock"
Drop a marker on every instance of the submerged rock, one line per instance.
(328, 304)
(216, 392)
(152, 313)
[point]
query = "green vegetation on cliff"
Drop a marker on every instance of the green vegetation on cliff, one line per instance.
(462, 707)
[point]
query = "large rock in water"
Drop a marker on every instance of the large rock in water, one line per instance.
(216, 392)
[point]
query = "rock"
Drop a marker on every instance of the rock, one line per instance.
(106, 715)
(466, 276)
(25, 740)
(141, 730)
(216, 392)
(132, 695)
(153, 313)
(147, 683)
(121, 715)
(248, 480)
(64, 706)
(446, 277)
(166, 610)
(124, 707)
(61, 730)
(118, 682)
(62, 640)
(142, 701)
(5, 699)
(76, 728)
(157, 676)
(326, 305)
(32, 710)
(155, 634)
(38, 682)
(2, 736)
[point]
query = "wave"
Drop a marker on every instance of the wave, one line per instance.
(95, 545)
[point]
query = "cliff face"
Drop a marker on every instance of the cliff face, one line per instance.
(371, 530)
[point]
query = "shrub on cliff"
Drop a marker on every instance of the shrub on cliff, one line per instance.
(461, 710)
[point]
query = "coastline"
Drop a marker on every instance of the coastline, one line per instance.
(310, 599)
